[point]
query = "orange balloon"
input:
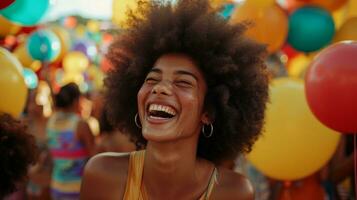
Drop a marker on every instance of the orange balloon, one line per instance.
(270, 24)
(330, 5)
(348, 30)
(308, 188)
(8, 28)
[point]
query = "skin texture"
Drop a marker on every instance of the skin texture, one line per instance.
(171, 168)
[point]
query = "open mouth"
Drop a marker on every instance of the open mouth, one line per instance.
(156, 111)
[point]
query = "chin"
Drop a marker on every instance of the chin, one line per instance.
(159, 136)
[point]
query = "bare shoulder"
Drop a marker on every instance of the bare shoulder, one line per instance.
(232, 186)
(105, 176)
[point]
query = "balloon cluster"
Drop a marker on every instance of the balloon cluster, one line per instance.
(303, 39)
(69, 49)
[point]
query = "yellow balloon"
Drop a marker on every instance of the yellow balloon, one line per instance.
(348, 30)
(13, 89)
(295, 144)
(351, 9)
(96, 76)
(75, 62)
(120, 11)
(339, 16)
(298, 65)
(75, 78)
(261, 3)
(8, 28)
(64, 38)
(216, 4)
(93, 26)
(23, 55)
(265, 19)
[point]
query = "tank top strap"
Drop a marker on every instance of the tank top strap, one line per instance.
(134, 179)
(212, 182)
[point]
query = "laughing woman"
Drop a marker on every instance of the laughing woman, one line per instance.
(191, 91)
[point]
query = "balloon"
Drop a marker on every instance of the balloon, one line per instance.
(348, 30)
(87, 47)
(76, 78)
(93, 26)
(351, 9)
(5, 3)
(75, 62)
(31, 79)
(44, 45)
(8, 28)
(64, 39)
(227, 10)
(26, 12)
(13, 89)
(265, 21)
(24, 57)
(308, 188)
(295, 144)
(330, 5)
(339, 16)
(261, 3)
(331, 87)
(310, 28)
(298, 65)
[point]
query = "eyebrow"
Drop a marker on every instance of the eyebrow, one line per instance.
(179, 72)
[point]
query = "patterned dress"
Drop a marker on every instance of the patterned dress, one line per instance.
(68, 154)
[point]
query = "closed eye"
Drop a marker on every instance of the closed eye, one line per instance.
(151, 80)
(183, 83)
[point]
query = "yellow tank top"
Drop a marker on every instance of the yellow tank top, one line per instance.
(135, 189)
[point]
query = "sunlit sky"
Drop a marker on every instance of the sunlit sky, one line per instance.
(97, 9)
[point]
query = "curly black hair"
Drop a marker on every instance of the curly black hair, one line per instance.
(67, 95)
(17, 151)
(233, 67)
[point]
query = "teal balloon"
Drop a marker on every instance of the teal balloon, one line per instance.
(310, 29)
(26, 12)
(31, 79)
(43, 45)
(227, 11)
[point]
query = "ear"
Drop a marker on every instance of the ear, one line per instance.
(206, 118)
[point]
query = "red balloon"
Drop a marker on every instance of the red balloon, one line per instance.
(5, 3)
(331, 87)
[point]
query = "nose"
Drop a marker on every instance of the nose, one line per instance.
(163, 87)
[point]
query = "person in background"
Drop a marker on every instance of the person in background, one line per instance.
(71, 143)
(18, 151)
(112, 140)
(40, 173)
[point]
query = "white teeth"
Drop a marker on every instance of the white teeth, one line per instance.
(167, 109)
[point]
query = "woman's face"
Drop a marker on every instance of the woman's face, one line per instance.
(170, 101)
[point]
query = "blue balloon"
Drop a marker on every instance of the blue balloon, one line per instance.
(26, 12)
(31, 79)
(310, 29)
(43, 45)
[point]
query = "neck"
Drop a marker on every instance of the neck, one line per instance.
(171, 165)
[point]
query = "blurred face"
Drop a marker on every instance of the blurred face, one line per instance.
(170, 101)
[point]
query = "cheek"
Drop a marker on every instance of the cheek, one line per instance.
(141, 96)
(191, 101)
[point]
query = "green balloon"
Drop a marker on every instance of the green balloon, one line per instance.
(310, 29)
(25, 12)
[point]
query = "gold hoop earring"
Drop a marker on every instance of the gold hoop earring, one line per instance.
(207, 135)
(136, 121)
